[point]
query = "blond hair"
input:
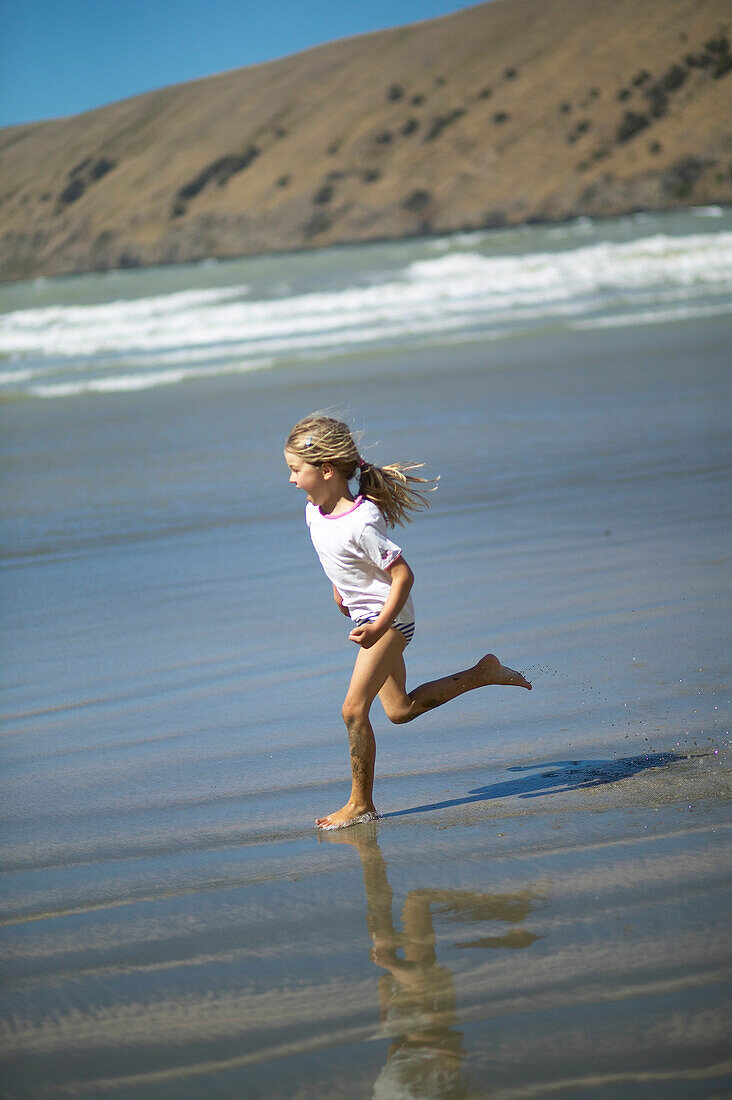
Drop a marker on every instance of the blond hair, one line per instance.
(318, 439)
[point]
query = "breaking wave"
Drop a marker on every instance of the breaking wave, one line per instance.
(468, 292)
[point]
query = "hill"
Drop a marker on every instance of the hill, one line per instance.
(507, 112)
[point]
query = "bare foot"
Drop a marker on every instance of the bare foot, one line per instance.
(491, 671)
(350, 814)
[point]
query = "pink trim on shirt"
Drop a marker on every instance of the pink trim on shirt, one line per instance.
(357, 501)
(393, 562)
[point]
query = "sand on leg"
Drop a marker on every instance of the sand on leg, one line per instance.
(402, 706)
(373, 666)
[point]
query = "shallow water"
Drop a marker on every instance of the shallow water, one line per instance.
(541, 909)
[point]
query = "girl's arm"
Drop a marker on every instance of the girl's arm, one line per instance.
(402, 579)
(339, 602)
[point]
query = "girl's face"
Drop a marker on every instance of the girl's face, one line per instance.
(311, 479)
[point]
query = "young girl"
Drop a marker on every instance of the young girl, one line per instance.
(371, 585)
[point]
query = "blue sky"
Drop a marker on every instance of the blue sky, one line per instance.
(59, 57)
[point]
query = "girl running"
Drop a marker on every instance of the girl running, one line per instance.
(372, 586)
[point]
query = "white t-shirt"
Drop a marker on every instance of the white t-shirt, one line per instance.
(356, 554)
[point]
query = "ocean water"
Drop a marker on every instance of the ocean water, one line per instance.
(541, 909)
(125, 331)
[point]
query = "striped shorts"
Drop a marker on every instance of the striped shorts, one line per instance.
(407, 629)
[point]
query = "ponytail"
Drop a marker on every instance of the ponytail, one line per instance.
(392, 489)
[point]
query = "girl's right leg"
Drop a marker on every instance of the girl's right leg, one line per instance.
(402, 706)
(373, 667)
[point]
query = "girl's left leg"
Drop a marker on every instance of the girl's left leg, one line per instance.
(372, 669)
(402, 706)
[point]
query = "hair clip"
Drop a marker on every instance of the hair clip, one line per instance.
(309, 441)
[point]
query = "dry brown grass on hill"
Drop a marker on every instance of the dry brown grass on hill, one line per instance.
(511, 111)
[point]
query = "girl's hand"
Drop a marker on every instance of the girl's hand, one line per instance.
(366, 635)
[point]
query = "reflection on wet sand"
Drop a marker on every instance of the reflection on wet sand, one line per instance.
(417, 994)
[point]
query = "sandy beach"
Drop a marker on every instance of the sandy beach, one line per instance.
(541, 911)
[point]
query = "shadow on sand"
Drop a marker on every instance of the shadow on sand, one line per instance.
(554, 777)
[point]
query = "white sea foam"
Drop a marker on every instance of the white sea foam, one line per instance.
(653, 317)
(137, 343)
(129, 383)
(8, 377)
(549, 276)
(457, 282)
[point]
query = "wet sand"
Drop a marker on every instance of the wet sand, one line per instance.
(541, 910)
